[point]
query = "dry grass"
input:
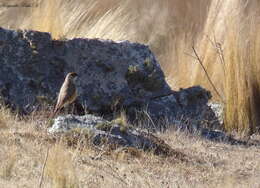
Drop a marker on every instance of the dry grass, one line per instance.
(60, 169)
(230, 56)
(23, 151)
(7, 165)
(5, 116)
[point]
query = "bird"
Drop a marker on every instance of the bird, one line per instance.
(67, 94)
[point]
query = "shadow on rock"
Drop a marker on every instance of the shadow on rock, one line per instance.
(185, 109)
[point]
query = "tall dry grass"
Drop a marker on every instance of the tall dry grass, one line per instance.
(60, 169)
(225, 34)
(229, 51)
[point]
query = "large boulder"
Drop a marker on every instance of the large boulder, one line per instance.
(111, 74)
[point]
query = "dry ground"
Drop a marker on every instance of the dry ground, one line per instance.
(207, 164)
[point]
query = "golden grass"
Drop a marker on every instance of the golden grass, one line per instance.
(222, 165)
(60, 169)
(7, 165)
(5, 115)
(230, 56)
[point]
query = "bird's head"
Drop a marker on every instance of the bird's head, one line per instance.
(72, 76)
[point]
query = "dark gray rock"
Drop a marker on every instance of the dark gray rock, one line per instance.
(187, 103)
(214, 135)
(100, 130)
(185, 109)
(111, 74)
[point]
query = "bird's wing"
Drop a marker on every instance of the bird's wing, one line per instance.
(66, 95)
(62, 97)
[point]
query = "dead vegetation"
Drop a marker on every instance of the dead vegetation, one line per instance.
(195, 162)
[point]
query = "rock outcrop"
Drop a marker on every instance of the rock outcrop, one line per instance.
(111, 74)
(99, 132)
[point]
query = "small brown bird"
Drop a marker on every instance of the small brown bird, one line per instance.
(68, 93)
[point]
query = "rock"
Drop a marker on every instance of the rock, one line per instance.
(187, 102)
(185, 109)
(100, 131)
(111, 74)
(214, 135)
(221, 136)
(218, 110)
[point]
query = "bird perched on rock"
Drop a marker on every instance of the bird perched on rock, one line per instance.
(68, 93)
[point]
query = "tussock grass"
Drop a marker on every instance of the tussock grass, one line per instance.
(5, 115)
(229, 54)
(60, 169)
(7, 165)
